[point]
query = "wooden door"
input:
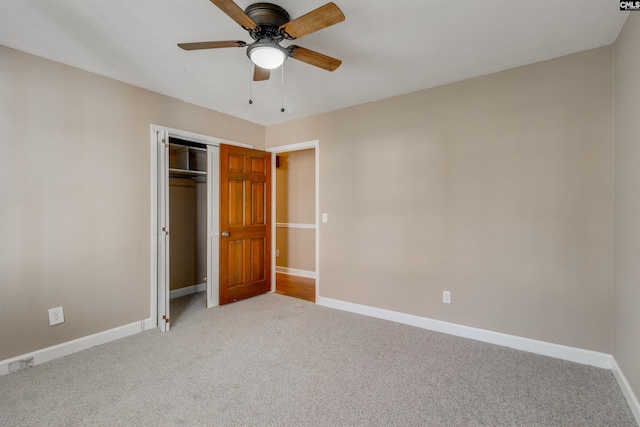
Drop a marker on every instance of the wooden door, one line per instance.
(245, 223)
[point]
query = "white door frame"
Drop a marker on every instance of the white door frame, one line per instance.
(315, 144)
(152, 321)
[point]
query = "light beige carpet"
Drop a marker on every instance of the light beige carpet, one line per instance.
(278, 361)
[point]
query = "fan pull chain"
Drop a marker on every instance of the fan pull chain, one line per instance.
(282, 99)
(250, 84)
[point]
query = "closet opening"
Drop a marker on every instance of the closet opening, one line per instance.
(187, 185)
(188, 223)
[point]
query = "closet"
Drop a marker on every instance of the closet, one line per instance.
(187, 217)
(193, 180)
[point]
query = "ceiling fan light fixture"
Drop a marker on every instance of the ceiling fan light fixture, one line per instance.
(267, 54)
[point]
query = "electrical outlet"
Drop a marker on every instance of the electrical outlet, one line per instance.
(446, 297)
(277, 253)
(56, 316)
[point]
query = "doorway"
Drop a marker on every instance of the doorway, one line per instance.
(296, 213)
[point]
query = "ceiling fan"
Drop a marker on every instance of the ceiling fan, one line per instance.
(269, 24)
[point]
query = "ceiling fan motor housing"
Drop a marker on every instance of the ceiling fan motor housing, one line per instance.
(269, 18)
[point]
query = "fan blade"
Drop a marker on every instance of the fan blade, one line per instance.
(234, 12)
(322, 17)
(260, 74)
(314, 58)
(212, 45)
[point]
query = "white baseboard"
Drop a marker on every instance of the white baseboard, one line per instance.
(296, 272)
(177, 293)
(84, 343)
(150, 323)
(632, 400)
(572, 354)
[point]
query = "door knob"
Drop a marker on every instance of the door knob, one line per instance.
(225, 234)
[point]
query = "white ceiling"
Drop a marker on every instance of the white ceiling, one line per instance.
(388, 47)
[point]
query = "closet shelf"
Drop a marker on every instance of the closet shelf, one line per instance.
(187, 161)
(187, 172)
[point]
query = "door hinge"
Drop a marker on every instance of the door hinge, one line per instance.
(164, 229)
(166, 319)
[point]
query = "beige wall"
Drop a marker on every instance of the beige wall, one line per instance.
(295, 204)
(297, 248)
(498, 189)
(296, 187)
(182, 223)
(201, 233)
(75, 197)
(188, 225)
(627, 202)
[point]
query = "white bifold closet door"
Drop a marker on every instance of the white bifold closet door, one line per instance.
(163, 232)
(162, 144)
(213, 225)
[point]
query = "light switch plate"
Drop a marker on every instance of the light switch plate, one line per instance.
(446, 297)
(324, 217)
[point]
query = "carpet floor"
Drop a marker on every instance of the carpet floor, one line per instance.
(273, 360)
